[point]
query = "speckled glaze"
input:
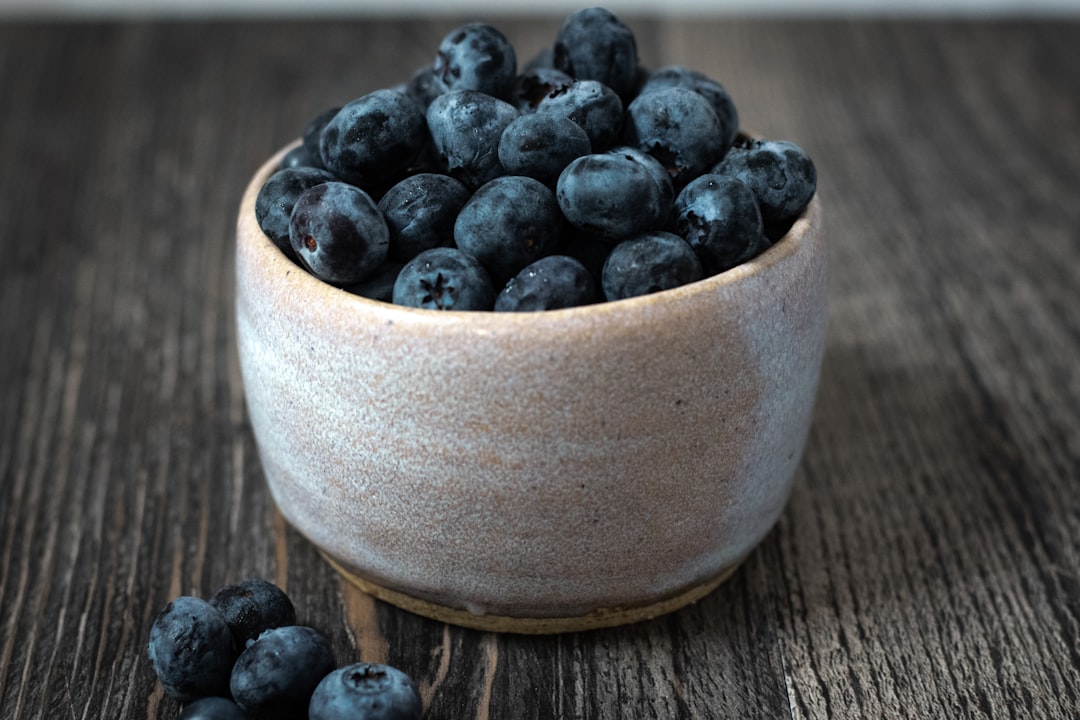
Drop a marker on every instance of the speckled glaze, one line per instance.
(534, 472)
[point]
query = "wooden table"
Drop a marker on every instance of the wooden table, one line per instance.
(928, 563)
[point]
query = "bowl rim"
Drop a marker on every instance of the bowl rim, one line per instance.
(270, 260)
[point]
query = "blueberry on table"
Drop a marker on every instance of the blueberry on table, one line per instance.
(253, 606)
(338, 233)
(541, 145)
(479, 57)
(594, 44)
(275, 676)
(373, 140)
(465, 127)
(276, 198)
(719, 217)
(191, 649)
(213, 708)
(679, 128)
(550, 283)
(366, 691)
(717, 95)
(611, 195)
(508, 223)
(780, 173)
(592, 105)
(444, 278)
(420, 211)
(649, 263)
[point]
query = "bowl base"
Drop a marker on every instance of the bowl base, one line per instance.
(599, 618)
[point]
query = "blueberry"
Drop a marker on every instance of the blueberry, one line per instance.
(508, 223)
(374, 139)
(592, 105)
(379, 286)
(782, 176)
(366, 691)
(465, 128)
(534, 84)
(420, 212)
(444, 278)
(649, 263)
(611, 196)
(252, 606)
(679, 128)
(719, 98)
(719, 217)
(312, 134)
(276, 198)
(213, 708)
(594, 44)
(298, 157)
(191, 649)
(338, 232)
(541, 145)
(556, 281)
(424, 86)
(477, 57)
(656, 171)
(275, 676)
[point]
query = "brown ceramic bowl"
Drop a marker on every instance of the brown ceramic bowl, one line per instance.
(534, 472)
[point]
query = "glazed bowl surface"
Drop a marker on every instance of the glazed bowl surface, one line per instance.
(534, 472)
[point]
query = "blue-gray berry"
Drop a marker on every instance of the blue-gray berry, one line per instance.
(366, 691)
(275, 676)
(191, 649)
(649, 263)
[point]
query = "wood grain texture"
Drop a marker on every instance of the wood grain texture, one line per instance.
(927, 565)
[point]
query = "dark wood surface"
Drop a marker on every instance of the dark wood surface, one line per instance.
(928, 563)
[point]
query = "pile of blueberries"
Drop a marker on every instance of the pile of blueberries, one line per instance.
(580, 178)
(241, 656)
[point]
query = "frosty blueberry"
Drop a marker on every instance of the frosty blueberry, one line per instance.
(509, 223)
(337, 231)
(276, 198)
(420, 212)
(373, 139)
(275, 676)
(253, 606)
(649, 263)
(368, 691)
(610, 195)
(444, 278)
(556, 281)
(780, 173)
(594, 44)
(718, 97)
(477, 56)
(540, 145)
(719, 217)
(679, 128)
(465, 128)
(590, 104)
(379, 286)
(191, 649)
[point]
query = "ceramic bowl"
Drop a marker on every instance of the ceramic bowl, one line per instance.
(533, 472)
